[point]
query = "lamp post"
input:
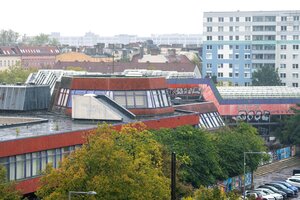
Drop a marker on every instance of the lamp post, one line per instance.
(244, 187)
(80, 192)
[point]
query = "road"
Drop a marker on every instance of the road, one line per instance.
(276, 176)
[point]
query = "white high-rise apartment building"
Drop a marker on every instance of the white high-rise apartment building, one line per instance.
(237, 43)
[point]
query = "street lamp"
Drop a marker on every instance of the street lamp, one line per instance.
(244, 187)
(80, 192)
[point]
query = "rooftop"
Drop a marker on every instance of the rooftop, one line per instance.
(259, 92)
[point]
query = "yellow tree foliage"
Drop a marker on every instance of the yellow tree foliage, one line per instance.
(117, 165)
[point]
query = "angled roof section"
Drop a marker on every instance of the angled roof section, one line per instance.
(100, 108)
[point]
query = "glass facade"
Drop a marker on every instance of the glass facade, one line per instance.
(210, 120)
(128, 99)
(29, 165)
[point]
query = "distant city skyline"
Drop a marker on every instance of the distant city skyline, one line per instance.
(109, 18)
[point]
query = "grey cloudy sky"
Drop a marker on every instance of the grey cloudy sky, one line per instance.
(112, 17)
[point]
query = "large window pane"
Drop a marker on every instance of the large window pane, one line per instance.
(28, 165)
(50, 155)
(12, 168)
(156, 101)
(149, 99)
(20, 161)
(121, 100)
(43, 160)
(58, 157)
(164, 96)
(35, 163)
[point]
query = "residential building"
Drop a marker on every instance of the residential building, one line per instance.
(237, 43)
(9, 56)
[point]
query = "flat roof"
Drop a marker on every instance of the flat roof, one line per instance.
(259, 92)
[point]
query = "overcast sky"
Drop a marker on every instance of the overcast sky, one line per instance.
(112, 17)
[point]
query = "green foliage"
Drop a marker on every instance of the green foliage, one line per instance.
(266, 76)
(43, 39)
(196, 154)
(15, 74)
(117, 165)
(291, 131)
(8, 37)
(75, 68)
(231, 145)
(7, 189)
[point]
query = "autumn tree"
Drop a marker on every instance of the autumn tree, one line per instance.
(117, 165)
(7, 189)
(15, 74)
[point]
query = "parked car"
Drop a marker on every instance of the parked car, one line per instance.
(274, 190)
(271, 193)
(295, 189)
(294, 181)
(260, 194)
(289, 192)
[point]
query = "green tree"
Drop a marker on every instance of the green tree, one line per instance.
(231, 145)
(15, 74)
(266, 76)
(198, 158)
(117, 165)
(43, 39)
(291, 129)
(7, 189)
(8, 37)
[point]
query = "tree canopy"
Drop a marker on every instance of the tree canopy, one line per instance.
(8, 37)
(291, 130)
(43, 39)
(15, 74)
(265, 76)
(7, 189)
(117, 165)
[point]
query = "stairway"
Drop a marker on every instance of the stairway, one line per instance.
(277, 166)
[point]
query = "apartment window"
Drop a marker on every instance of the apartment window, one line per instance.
(220, 47)
(220, 28)
(220, 66)
(209, 29)
(237, 19)
(230, 74)
(282, 75)
(296, 18)
(237, 29)
(220, 38)
(283, 47)
(220, 74)
(230, 65)
(295, 75)
(247, 56)
(231, 19)
(247, 66)
(236, 74)
(282, 66)
(237, 37)
(220, 56)
(295, 56)
(231, 28)
(258, 18)
(209, 74)
(248, 19)
(270, 18)
(283, 37)
(295, 66)
(282, 56)
(209, 19)
(247, 37)
(247, 75)
(208, 66)
(296, 47)
(209, 37)
(230, 47)
(208, 55)
(209, 47)
(283, 18)
(237, 46)
(230, 37)
(221, 19)
(283, 28)
(230, 56)
(295, 37)
(295, 84)
(237, 56)
(247, 28)
(247, 47)
(296, 28)
(283, 84)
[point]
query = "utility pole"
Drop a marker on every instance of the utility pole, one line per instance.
(173, 176)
